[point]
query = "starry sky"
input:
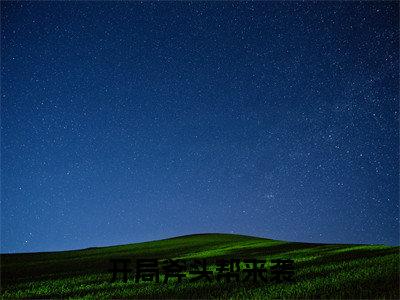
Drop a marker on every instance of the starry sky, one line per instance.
(130, 121)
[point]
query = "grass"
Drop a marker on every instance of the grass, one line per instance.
(321, 270)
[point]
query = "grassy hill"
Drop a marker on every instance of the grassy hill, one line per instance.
(321, 270)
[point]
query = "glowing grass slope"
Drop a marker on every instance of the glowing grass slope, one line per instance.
(321, 270)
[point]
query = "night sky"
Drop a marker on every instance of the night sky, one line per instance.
(129, 122)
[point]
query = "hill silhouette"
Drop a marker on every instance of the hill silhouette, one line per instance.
(321, 270)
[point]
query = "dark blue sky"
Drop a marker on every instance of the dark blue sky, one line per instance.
(128, 122)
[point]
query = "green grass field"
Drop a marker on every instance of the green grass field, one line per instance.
(321, 270)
